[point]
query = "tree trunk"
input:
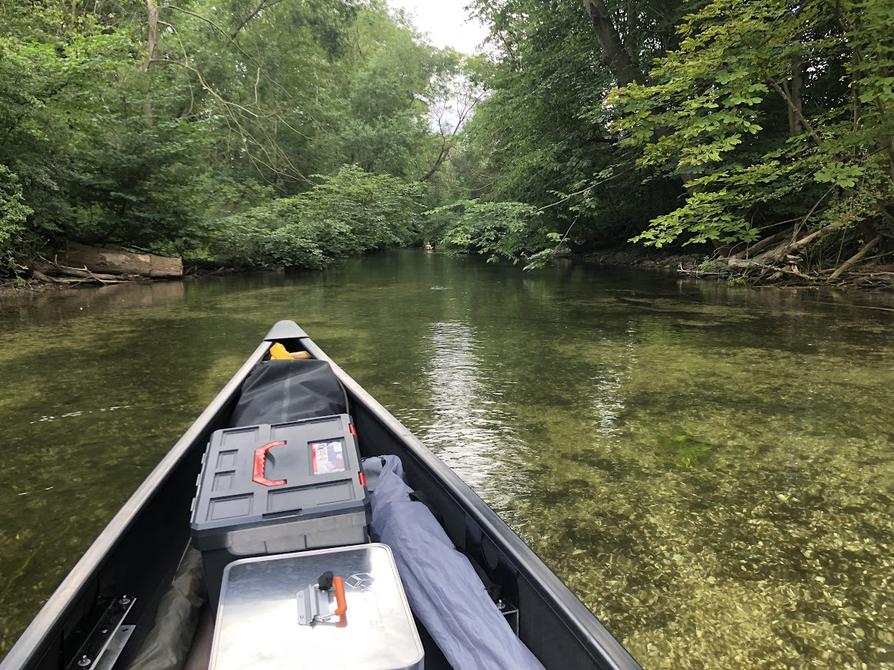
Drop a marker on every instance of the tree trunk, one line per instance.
(49, 268)
(614, 55)
(796, 110)
(151, 55)
(779, 252)
(152, 37)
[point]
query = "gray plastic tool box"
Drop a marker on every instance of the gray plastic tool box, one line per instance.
(277, 488)
(276, 613)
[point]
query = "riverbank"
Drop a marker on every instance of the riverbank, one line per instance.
(740, 271)
(41, 282)
(700, 265)
(642, 258)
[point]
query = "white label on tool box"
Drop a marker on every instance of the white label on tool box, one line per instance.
(328, 456)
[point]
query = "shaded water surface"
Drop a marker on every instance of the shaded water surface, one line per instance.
(710, 469)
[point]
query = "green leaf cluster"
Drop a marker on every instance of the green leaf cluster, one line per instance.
(13, 215)
(497, 230)
(762, 113)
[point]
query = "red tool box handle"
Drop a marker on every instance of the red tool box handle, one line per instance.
(341, 603)
(260, 465)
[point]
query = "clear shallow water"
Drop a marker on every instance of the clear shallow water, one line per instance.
(711, 469)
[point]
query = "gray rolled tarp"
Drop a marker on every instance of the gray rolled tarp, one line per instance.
(168, 643)
(444, 591)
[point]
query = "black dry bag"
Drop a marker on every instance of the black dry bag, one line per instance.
(282, 391)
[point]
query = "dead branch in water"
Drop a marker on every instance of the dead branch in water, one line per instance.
(54, 272)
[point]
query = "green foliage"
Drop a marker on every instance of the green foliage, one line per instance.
(746, 115)
(348, 213)
(235, 107)
(13, 214)
(497, 230)
(542, 135)
(708, 265)
(371, 211)
(762, 111)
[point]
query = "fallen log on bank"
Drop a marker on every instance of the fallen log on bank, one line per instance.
(82, 264)
(122, 262)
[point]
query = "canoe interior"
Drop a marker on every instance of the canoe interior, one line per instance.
(138, 555)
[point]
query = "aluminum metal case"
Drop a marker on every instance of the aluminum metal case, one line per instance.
(263, 604)
(278, 488)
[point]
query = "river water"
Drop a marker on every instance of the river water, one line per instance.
(711, 469)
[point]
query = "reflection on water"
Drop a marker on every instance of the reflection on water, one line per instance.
(607, 388)
(466, 424)
(709, 468)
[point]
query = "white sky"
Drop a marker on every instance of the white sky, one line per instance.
(446, 23)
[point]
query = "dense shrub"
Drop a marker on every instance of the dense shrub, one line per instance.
(13, 214)
(350, 212)
(507, 230)
(294, 245)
